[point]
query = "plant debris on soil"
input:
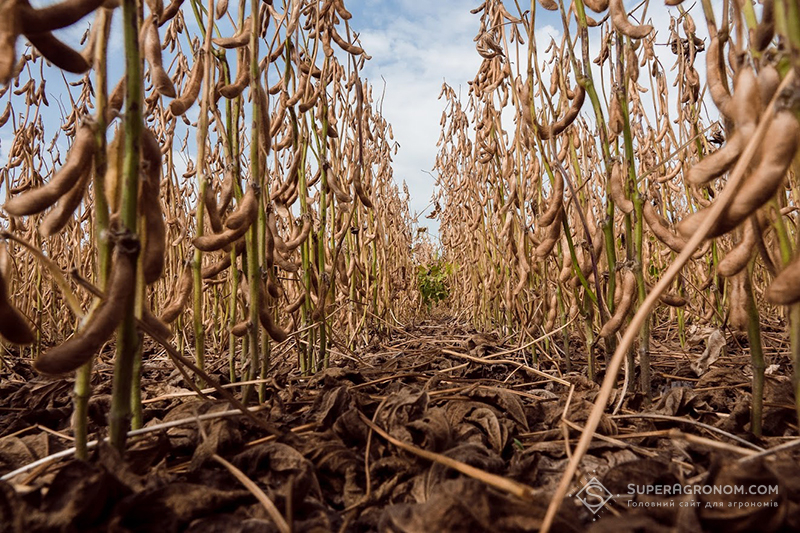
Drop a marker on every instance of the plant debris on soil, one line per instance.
(478, 440)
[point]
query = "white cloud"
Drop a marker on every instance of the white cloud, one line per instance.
(415, 47)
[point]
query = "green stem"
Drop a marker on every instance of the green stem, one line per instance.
(253, 260)
(756, 354)
(126, 334)
(83, 377)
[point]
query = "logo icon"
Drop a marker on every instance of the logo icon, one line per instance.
(594, 495)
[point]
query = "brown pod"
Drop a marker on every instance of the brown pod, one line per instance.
(5, 260)
(745, 105)
(219, 241)
(13, 325)
(53, 17)
(627, 293)
(591, 23)
(343, 44)
(265, 138)
(715, 67)
(762, 35)
(269, 250)
(310, 100)
(716, 164)
(61, 214)
(9, 31)
(292, 176)
(150, 159)
(272, 226)
(322, 295)
(283, 263)
(292, 244)
(215, 268)
(785, 288)
(598, 6)
(181, 296)
(737, 258)
(632, 65)
(333, 184)
(333, 133)
(566, 267)
(619, 19)
(241, 329)
(78, 163)
(341, 270)
(243, 218)
(152, 52)
(523, 267)
(220, 9)
(660, 228)
(549, 5)
(551, 130)
(242, 80)
(115, 100)
(777, 152)
(6, 114)
(616, 122)
(272, 286)
(552, 313)
(245, 212)
(265, 317)
(156, 234)
(169, 12)
(769, 79)
(156, 326)
(672, 300)
(58, 53)
(156, 8)
(192, 89)
(743, 108)
(341, 11)
(210, 201)
(226, 194)
(102, 322)
(556, 202)
(551, 236)
(737, 301)
(615, 189)
(113, 176)
(359, 188)
(296, 304)
(242, 37)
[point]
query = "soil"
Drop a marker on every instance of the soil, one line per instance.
(447, 398)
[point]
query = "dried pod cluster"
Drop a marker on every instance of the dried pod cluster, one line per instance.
(547, 208)
(313, 212)
(275, 218)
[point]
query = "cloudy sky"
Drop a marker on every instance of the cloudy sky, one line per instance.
(415, 47)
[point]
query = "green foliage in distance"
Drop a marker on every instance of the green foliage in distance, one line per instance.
(432, 280)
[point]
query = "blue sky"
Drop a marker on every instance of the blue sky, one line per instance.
(415, 47)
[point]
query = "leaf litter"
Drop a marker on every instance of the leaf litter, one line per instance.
(435, 432)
